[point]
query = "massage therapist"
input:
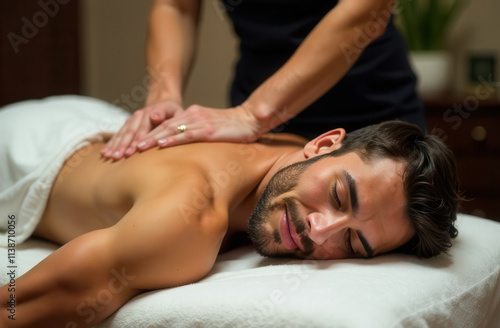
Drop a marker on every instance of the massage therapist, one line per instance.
(305, 67)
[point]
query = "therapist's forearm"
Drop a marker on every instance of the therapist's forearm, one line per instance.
(170, 47)
(320, 62)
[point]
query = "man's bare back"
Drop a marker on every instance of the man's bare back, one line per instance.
(91, 193)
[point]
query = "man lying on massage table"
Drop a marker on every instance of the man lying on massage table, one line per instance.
(158, 219)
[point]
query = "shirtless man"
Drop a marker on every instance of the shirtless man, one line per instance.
(158, 219)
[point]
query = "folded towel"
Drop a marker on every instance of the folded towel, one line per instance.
(36, 138)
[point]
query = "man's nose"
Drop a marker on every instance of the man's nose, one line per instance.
(324, 226)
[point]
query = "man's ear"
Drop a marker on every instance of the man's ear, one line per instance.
(325, 143)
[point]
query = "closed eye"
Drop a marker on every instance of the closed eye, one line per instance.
(348, 242)
(336, 196)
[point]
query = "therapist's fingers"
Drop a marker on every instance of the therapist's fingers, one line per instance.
(199, 123)
(125, 142)
(143, 128)
(118, 145)
(159, 115)
(156, 116)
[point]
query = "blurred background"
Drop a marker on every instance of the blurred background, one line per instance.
(97, 48)
(104, 41)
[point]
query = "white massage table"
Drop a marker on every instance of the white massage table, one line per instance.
(247, 290)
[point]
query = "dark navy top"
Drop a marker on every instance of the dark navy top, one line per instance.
(380, 86)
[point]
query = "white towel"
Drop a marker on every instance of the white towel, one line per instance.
(36, 138)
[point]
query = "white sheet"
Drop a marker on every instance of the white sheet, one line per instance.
(247, 290)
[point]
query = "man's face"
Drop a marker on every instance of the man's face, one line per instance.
(332, 208)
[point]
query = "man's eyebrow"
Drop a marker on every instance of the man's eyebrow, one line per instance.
(366, 245)
(352, 192)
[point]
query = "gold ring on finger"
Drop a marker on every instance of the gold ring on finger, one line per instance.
(181, 128)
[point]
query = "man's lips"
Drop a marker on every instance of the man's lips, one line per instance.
(287, 235)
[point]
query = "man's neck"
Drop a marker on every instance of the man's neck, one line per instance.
(271, 154)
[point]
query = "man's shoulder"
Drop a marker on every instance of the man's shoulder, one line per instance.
(284, 138)
(184, 192)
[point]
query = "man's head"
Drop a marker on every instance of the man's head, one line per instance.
(381, 188)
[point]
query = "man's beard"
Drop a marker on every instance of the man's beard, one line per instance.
(285, 180)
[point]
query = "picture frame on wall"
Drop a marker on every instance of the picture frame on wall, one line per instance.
(481, 67)
(482, 72)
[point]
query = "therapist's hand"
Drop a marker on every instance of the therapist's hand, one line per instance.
(124, 143)
(204, 124)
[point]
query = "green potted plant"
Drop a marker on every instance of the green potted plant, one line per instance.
(425, 25)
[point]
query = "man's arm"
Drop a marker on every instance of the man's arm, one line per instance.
(73, 287)
(153, 246)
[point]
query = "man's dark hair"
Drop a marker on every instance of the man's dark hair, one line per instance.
(430, 180)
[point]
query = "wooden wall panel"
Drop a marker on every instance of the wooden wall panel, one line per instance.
(39, 53)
